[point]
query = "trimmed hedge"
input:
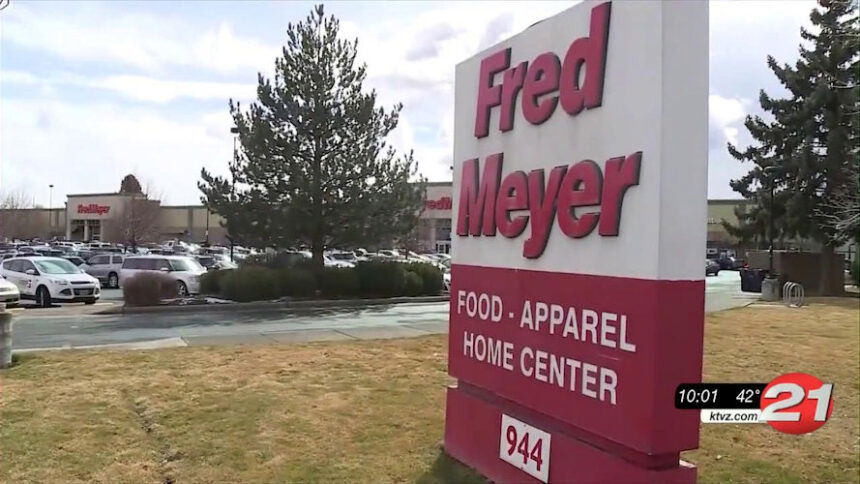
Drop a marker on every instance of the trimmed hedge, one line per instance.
(376, 278)
(413, 285)
(296, 282)
(339, 281)
(210, 282)
(367, 279)
(148, 289)
(431, 277)
(250, 284)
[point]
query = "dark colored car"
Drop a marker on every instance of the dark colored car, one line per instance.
(711, 267)
(729, 263)
(74, 260)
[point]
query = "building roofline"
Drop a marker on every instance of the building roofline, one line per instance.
(727, 201)
(113, 194)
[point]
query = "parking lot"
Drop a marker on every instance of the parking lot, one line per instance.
(77, 325)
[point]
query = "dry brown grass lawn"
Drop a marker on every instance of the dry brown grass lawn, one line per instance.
(761, 342)
(371, 411)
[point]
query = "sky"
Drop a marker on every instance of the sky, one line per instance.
(92, 91)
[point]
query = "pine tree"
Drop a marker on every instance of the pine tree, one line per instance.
(314, 167)
(808, 147)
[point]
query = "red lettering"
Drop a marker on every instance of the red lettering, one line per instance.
(581, 188)
(476, 215)
(542, 209)
(94, 208)
(443, 203)
(545, 75)
(511, 84)
(590, 52)
(513, 195)
(489, 95)
(542, 79)
(486, 202)
(621, 174)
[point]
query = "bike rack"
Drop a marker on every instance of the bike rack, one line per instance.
(793, 294)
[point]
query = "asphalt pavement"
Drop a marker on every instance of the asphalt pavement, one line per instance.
(78, 326)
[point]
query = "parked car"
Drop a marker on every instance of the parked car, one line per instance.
(388, 253)
(106, 268)
(215, 262)
(729, 263)
(9, 293)
(75, 260)
(50, 279)
(329, 262)
(343, 257)
(711, 267)
(184, 270)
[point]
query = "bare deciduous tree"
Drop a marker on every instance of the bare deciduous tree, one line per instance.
(842, 212)
(15, 223)
(139, 220)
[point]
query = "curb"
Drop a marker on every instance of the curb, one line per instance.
(264, 305)
(154, 344)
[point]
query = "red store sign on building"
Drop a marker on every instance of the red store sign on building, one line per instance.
(577, 299)
(94, 208)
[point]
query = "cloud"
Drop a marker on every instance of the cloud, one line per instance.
(420, 73)
(163, 91)
(138, 88)
(143, 41)
(496, 30)
(742, 34)
(134, 120)
(725, 117)
(426, 43)
(99, 143)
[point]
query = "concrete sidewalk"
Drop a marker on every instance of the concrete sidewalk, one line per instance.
(81, 328)
(272, 337)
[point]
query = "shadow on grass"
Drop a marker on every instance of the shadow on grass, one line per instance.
(447, 470)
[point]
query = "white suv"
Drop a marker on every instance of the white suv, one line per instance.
(50, 279)
(184, 270)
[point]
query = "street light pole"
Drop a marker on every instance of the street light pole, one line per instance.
(235, 131)
(50, 206)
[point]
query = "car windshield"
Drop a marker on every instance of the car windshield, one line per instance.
(343, 256)
(56, 266)
(186, 265)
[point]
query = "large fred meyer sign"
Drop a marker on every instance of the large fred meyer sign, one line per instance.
(577, 301)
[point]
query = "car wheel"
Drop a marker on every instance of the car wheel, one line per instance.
(43, 297)
(113, 280)
(182, 289)
(716, 273)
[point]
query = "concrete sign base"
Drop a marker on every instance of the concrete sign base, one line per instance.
(473, 419)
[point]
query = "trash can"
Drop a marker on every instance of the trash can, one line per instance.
(751, 279)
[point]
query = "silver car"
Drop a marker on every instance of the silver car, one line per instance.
(186, 271)
(105, 267)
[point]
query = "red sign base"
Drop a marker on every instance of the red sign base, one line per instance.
(472, 435)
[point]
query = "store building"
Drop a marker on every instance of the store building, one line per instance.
(434, 223)
(113, 217)
(116, 217)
